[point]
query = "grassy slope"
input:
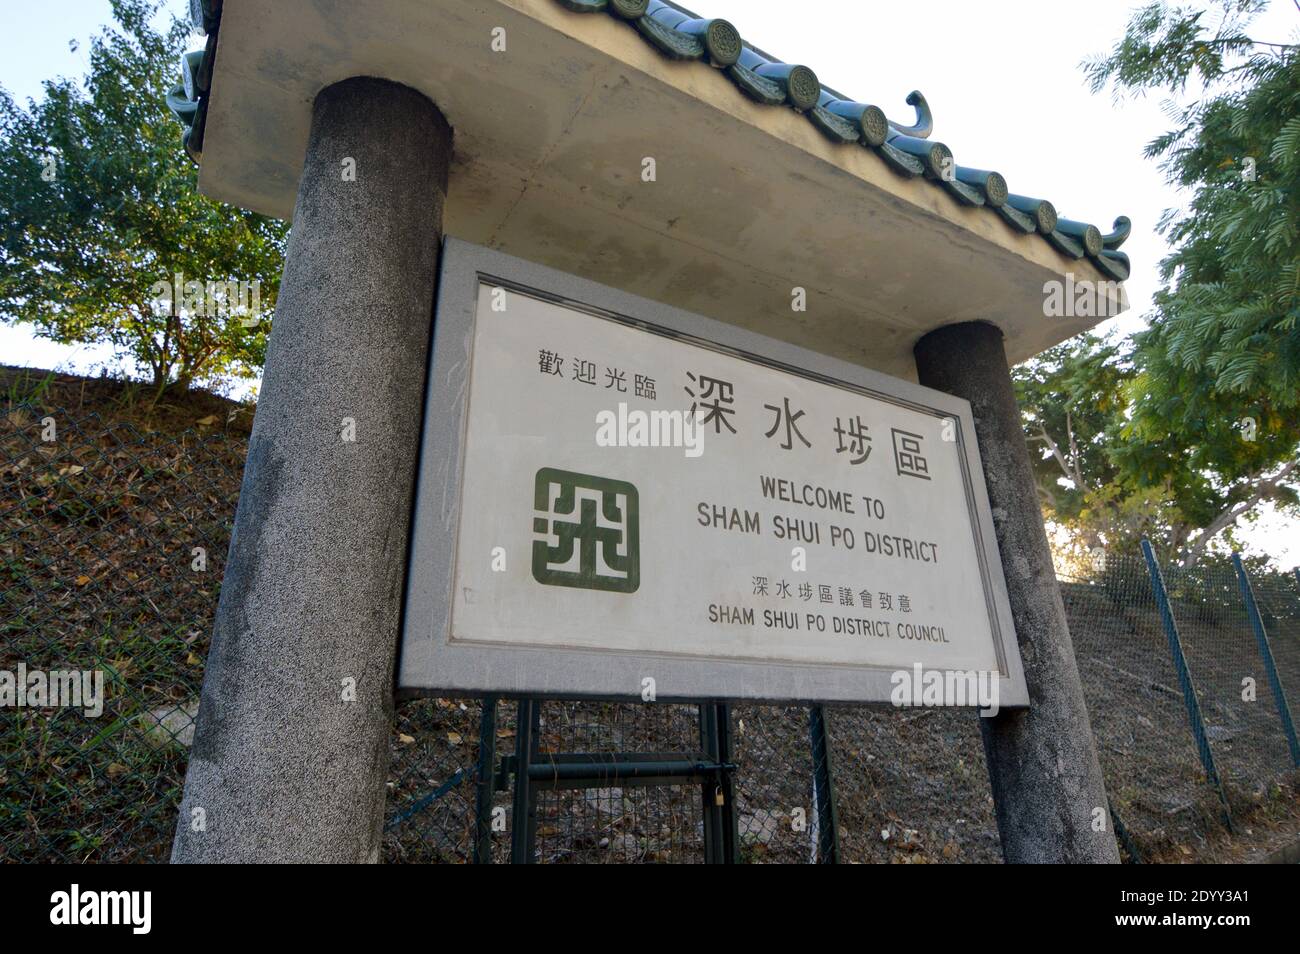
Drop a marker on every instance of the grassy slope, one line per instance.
(97, 530)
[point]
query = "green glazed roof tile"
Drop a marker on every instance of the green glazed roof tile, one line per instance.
(905, 148)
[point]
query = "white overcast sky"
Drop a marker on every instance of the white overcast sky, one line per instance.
(1002, 76)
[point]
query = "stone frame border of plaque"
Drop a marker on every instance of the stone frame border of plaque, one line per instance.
(429, 663)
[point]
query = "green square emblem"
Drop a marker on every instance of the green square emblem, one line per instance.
(587, 533)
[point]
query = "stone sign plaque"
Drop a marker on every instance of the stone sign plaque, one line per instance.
(619, 499)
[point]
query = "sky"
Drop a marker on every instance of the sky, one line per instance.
(1003, 78)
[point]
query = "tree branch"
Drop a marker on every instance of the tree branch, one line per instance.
(1077, 475)
(1264, 489)
(1056, 453)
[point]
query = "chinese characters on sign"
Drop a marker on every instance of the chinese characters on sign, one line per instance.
(713, 404)
(548, 362)
(792, 537)
(782, 590)
(907, 454)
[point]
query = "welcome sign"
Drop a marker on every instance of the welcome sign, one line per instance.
(615, 495)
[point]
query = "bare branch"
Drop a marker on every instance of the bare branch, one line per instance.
(1052, 446)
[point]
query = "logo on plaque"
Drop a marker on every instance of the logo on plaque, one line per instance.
(587, 532)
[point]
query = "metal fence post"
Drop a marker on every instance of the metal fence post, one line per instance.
(1185, 678)
(726, 755)
(523, 835)
(1125, 839)
(828, 834)
(487, 756)
(717, 792)
(1266, 653)
(710, 813)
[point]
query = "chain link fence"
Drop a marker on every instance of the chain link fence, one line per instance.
(112, 543)
(912, 786)
(1238, 708)
(1139, 718)
(1278, 598)
(432, 779)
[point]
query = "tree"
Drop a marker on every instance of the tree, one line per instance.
(1215, 402)
(1074, 407)
(1107, 486)
(102, 214)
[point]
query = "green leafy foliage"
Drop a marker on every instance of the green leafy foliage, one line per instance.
(1206, 421)
(100, 204)
(1074, 406)
(1108, 487)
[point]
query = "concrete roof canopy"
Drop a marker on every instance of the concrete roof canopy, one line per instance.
(764, 179)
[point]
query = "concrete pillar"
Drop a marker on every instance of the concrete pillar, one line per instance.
(289, 762)
(1046, 779)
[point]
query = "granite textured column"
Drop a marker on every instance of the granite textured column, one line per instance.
(290, 755)
(1046, 780)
